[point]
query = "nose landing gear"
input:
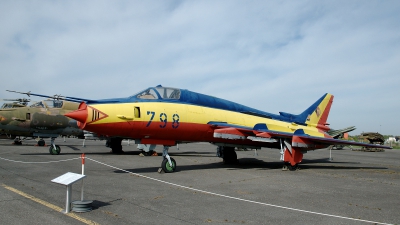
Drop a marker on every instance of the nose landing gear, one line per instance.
(168, 164)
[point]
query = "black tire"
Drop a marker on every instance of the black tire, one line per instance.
(292, 168)
(41, 142)
(229, 155)
(339, 147)
(54, 151)
(149, 153)
(166, 167)
(115, 145)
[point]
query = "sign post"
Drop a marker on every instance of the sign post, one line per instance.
(68, 179)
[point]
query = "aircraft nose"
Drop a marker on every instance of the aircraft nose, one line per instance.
(79, 115)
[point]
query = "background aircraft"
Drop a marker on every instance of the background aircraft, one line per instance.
(168, 116)
(42, 119)
(15, 103)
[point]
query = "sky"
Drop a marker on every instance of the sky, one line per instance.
(270, 55)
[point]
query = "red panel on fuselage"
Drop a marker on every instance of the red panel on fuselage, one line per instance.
(189, 132)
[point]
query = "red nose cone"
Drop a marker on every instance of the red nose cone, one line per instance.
(79, 115)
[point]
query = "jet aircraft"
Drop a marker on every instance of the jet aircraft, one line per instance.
(41, 119)
(169, 116)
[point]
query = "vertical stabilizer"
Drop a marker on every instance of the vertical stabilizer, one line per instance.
(317, 114)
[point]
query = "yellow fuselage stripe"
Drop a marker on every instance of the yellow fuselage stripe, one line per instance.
(192, 114)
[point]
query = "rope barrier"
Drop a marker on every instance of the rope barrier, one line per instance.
(235, 198)
(63, 160)
(197, 190)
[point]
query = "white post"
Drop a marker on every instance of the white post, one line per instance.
(83, 173)
(68, 200)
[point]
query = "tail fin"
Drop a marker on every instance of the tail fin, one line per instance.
(316, 115)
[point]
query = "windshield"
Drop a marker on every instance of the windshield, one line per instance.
(160, 92)
(49, 103)
(54, 103)
(37, 105)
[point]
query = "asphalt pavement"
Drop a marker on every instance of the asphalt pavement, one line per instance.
(354, 188)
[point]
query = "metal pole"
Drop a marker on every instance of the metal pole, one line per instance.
(68, 200)
(83, 173)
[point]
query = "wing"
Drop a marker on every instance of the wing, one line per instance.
(300, 138)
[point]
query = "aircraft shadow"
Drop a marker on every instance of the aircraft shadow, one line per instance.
(108, 152)
(251, 163)
(244, 163)
(86, 153)
(72, 147)
(192, 154)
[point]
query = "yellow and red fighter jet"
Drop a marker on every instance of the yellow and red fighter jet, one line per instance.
(168, 116)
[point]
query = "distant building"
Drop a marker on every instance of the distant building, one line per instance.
(392, 140)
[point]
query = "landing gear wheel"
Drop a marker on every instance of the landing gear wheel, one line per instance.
(149, 153)
(115, 145)
(41, 142)
(339, 147)
(168, 168)
(229, 155)
(54, 150)
(17, 141)
(288, 166)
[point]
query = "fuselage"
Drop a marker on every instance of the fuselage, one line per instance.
(153, 117)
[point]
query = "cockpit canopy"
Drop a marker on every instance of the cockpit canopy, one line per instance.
(12, 105)
(160, 93)
(49, 103)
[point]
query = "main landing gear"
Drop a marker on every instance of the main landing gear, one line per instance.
(147, 149)
(115, 144)
(291, 156)
(228, 154)
(288, 167)
(17, 141)
(41, 142)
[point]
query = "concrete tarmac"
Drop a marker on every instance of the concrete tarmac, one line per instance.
(355, 188)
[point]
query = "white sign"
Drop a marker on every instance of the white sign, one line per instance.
(68, 178)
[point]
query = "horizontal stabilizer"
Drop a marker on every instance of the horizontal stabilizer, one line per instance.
(338, 133)
(332, 141)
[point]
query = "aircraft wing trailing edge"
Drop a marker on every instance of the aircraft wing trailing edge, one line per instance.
(300, 138)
